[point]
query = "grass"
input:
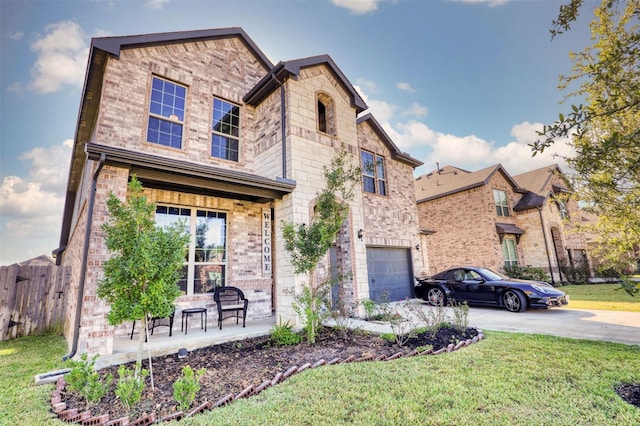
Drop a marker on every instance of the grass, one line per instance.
(505, 379)
(24, 403)
(601, 296)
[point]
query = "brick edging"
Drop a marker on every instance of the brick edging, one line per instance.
(73, 416)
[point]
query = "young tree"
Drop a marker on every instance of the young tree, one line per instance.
(140, 278)
(605, 132)
(308, 244)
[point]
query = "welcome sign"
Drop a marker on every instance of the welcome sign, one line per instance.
(266, 242)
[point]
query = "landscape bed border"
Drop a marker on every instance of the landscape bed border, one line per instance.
(85, 418)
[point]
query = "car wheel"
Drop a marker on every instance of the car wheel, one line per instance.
(436, 297)
(514, 301)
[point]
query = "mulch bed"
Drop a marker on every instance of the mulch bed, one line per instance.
(243, 368)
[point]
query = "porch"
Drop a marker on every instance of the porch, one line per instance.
(125, 348)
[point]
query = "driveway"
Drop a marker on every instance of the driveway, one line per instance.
(610, 326)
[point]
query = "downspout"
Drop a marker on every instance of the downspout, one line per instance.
(283, 127)
(85, 255)
(546, 245)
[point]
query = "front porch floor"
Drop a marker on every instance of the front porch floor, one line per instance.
(125, 349)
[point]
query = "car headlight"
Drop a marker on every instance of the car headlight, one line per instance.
(539, 289)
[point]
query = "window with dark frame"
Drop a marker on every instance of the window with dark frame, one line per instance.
(373, 173)
(205, 262)
(501, 202)
(225, 130)
(509, 253)
(166, 113)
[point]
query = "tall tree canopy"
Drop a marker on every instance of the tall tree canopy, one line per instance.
(605, 130)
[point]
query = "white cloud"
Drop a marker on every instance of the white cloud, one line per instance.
(358, 7)
(17, 35)
(156, 4)
(62, 57)
(491, 3)
(416, 110)
(369, 86)
(31, 207)
(405, 87)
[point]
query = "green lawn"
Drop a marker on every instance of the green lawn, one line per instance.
(24, 403)
(505, 379)
(601, 296)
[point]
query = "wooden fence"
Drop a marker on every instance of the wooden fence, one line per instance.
(32, 297)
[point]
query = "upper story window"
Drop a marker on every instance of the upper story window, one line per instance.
(326, 119)
(225, 130)
(562, 208)
(166, 113)
(374, 178)
(502, 204)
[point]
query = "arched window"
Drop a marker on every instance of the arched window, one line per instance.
(326, 114)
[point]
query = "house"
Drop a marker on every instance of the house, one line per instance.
(490, 218)
(233, 144)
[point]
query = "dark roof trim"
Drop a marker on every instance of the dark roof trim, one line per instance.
(284, 70)
(395, 151)
(182, 173)
(508, 228)
(113, 45)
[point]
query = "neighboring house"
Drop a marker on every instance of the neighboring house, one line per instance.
(490, 218)
(234, 145)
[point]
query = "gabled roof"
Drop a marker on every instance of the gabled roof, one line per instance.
(395, 151)
(538, 180)
(113, 45)
(102, 47)
(450, 180)
(291, 69)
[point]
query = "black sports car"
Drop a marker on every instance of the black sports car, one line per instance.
(483, 286)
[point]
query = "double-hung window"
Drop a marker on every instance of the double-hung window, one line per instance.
(225, 130)
(374, 178)
(509, 253)
(166, 113)
(502, 204)
(205, 262)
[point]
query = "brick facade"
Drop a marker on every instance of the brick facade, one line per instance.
(271, 174)
(457, 208)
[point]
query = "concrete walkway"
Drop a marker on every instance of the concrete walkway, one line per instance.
(611, 326)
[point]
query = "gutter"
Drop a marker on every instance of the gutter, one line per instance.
(85, 255)
(546, 245)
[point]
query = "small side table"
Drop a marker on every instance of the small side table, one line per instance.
(185, 318)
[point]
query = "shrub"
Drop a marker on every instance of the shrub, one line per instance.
(527, 273)
(460, 320)
(187, 386)
(130, 385)
(283, 335)
(432, 318)
(86, 381)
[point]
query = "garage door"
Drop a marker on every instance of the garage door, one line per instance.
(390, 274)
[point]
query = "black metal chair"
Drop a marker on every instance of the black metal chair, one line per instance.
(154, 322)
(231, 303)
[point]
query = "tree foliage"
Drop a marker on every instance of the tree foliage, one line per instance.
(605, 130)
(140, 278)
(308, 244)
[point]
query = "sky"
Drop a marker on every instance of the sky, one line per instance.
(453, 82)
